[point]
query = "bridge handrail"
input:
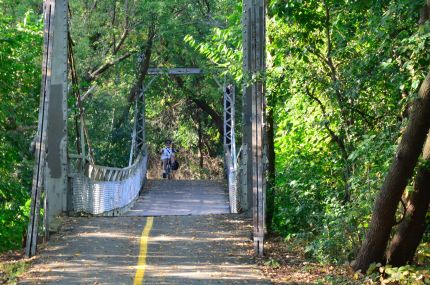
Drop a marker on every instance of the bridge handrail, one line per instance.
(106, 173)
(231, 168)
(109, 191)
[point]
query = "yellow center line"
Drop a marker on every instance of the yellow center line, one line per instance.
(141, 264)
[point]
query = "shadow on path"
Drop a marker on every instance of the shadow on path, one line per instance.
(198, 249)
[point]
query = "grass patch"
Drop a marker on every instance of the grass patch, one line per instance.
(11, 270)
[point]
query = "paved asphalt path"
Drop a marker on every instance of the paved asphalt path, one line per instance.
(196, 248)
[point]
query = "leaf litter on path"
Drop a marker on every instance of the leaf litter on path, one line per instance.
(285, 264)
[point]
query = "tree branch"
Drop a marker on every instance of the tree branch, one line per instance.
(141, 75)
(216, 118)
(337, 139)
(95, 74)
(205, 107)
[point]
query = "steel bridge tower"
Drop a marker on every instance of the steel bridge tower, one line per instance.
(50, 176)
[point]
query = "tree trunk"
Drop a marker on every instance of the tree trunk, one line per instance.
(401, 170)
(424, 13)
(143, 70)
(217, 119)
(411, 229)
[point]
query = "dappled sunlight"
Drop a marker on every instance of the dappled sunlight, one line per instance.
(203, 249)
(180, 250)
(204, 272)
(193, 239)
(106, 235)
(90, 250)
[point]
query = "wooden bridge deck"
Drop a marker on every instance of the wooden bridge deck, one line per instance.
(181, 198)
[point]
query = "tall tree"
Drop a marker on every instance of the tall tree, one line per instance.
(401, 170)
(410, 231)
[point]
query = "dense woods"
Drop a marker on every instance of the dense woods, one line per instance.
(347, 110)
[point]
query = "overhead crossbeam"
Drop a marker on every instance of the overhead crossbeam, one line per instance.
(175, 71)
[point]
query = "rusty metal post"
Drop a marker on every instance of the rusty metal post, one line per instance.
(254, 21)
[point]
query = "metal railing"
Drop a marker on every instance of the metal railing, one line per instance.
(103, 190)
(231, 161)
(232, 178)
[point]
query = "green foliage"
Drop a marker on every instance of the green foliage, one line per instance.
(171, 110)
(404, 275)
(96, 31)
(20, 57)
(340, 87)
(10, 271)
(223, 45)
(340, 81)
(273, 263)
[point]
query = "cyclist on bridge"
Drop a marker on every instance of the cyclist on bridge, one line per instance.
(167, 154)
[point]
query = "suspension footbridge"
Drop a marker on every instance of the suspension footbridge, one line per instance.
(73, 184)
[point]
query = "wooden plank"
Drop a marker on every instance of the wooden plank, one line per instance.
(182, 197)
(175, 71)
(254, 138)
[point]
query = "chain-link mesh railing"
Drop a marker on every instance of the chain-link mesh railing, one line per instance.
(230, 148)
(233, 189)
(105, 189)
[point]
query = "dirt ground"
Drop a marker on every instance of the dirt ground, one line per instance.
(285, 263)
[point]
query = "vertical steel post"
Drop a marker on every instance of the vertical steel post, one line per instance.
(254, 21)
(247, 105)
(134, 134)
(230, 145)
(50, 170)
(233, 124)
(139, 133)
(140, 140)
(233, 181)
(56, 171)
(82, 141)
(228, 116)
